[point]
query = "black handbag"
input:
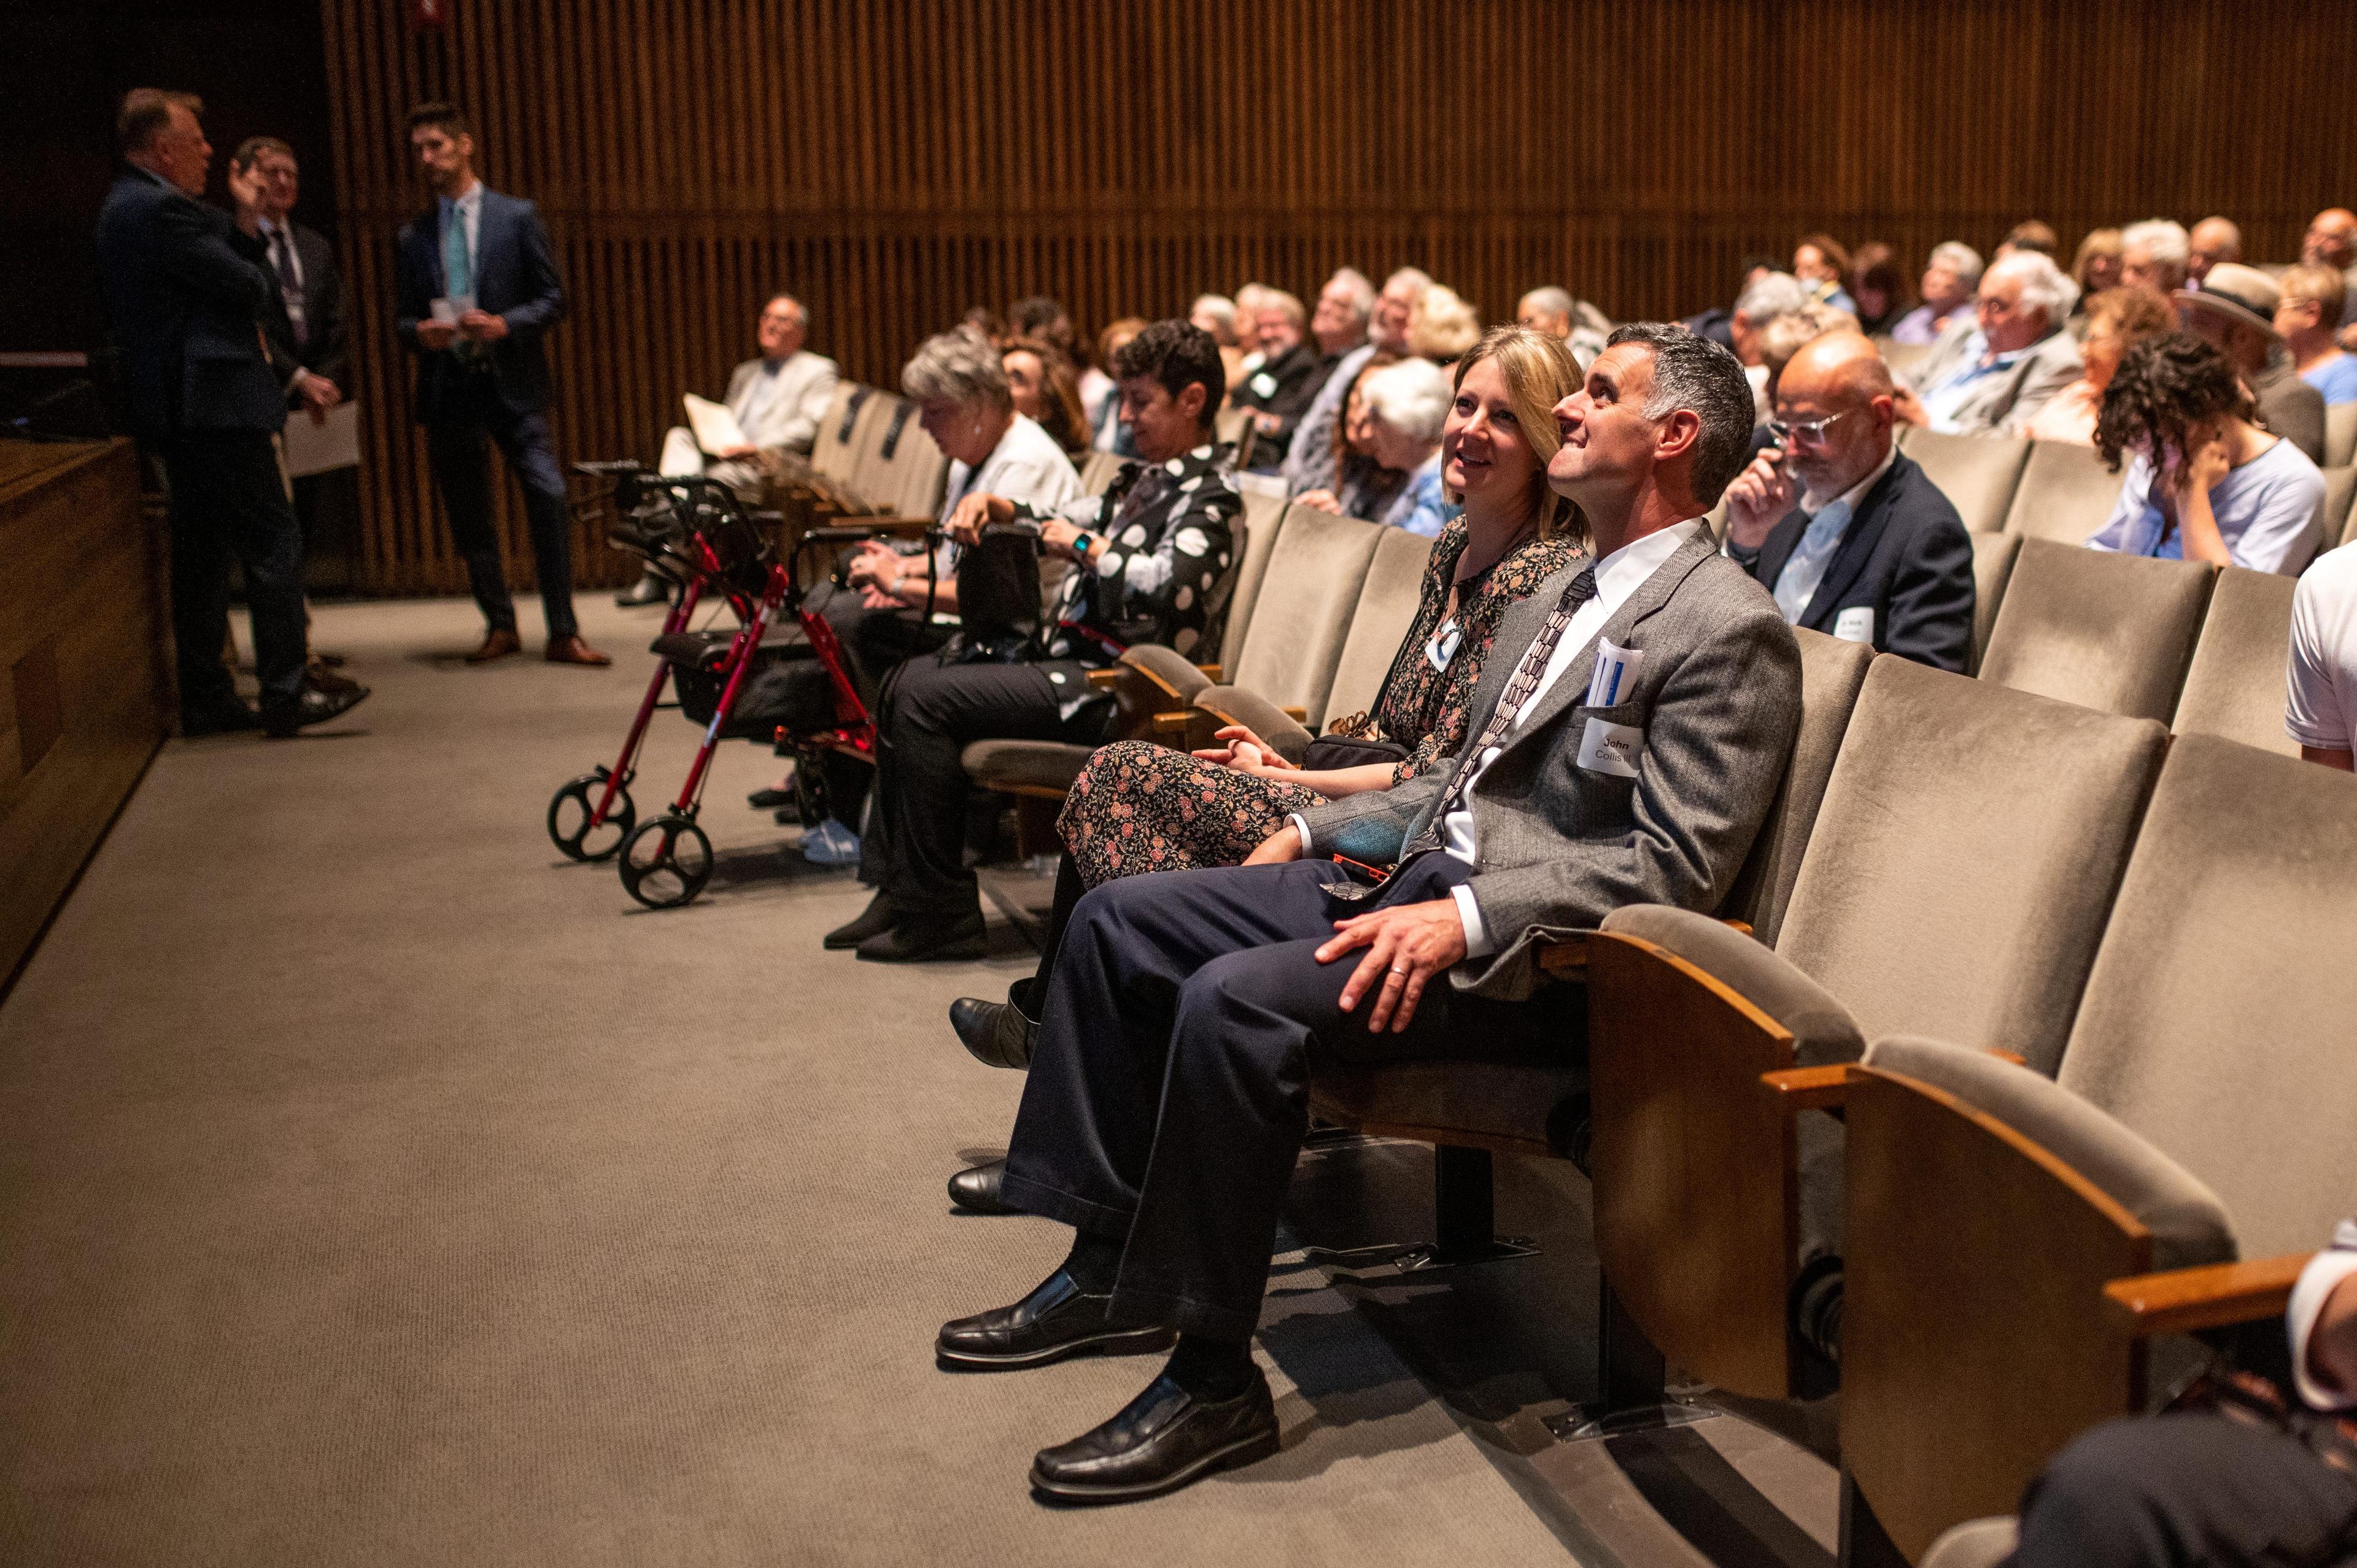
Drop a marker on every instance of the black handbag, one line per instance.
(998, 596)
(1330, 753)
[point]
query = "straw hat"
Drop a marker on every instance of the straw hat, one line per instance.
(2239, 294)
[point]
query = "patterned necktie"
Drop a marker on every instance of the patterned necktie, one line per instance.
(1519, 689)
(290, 288)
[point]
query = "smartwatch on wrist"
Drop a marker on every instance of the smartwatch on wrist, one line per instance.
(1083, 542)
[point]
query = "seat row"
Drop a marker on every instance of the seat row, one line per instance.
(871, 459)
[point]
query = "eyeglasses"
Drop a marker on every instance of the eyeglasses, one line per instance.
(1811, 431)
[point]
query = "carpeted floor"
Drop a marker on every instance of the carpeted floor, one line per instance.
(378, 1188)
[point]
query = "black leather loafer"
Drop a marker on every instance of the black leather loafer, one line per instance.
(995, 1034)
(1056, 1320)
(976, 1189)
(280, 721)
(1163, 1439)
(874, 920)
(927, 936)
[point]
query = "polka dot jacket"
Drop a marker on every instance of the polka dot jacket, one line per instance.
(1168, 559)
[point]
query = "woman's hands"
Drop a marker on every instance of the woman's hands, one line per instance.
(1324, 500)
(1406, 945)
(2187, 480)
(976, 512)
(876, 570)
(1247, 752)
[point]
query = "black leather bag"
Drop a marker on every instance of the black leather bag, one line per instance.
(1328, 753)
(998, 596)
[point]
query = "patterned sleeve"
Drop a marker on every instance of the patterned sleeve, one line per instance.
(1163, 582)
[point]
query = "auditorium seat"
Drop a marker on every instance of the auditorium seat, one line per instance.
(2235, 685)
(1917, 907)
(2340, 519)
(2340, 434)
(1262, 517)
(2112, 632)
(907, 473)
(1993, 558)
(830, 456)
(1832, 673)
(1978, 473)
(1311, 586)
(1899, 356)
(2066, 493)
(1998, 1223)
(1098, 471)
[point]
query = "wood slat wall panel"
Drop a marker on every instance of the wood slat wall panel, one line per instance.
(893, 164)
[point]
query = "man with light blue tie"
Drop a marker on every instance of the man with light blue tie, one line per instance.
(478, 289)
(1846, 532)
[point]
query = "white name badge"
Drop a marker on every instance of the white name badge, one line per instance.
(1443, 645)
(1611, 748)
(1614, 677)
(1265, 384)
(1855, 625)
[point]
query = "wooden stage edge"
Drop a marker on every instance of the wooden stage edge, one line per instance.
(85, 683)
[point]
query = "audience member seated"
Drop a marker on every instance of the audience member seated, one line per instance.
(1216, 313)
(1821, 265)
(1845, 530)
(2117, 320)
(2234, 311)
(2322, 708)
(1045, 318)
(1104, 415)
(2313, 298)
(1879, 293)
(1556, 313)
(1140, 808)
(1168, 1092)
(2204, 482)
(1407, 406)
(1314, 439)
(2096, 267)
(1047, 391)
(2238, 1475)
(2213, 240)
(1358, 485)
(2029, 234)
(2154, 255)
(1787, 335)
(1951, 281)
(1991, 372)
(1146, 555)
(1445, 327)
(1765, 298)
(1280, 390)
(2331, 241)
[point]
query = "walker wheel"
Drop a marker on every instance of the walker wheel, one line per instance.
(666, 861)
(571, 808)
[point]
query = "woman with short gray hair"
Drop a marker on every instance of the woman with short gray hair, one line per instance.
(1409, 403)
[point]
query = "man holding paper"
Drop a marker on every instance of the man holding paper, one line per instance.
(478, 289)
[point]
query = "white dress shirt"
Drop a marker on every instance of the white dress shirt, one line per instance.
(2317, 1281)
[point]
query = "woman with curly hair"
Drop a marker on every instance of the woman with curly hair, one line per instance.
(1139, 808)
(2117, 320)
(2206, 481)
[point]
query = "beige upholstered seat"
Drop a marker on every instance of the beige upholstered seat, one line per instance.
(2065, 494)
(2106, 631)
(2235, 686)
(2339, 434)
(1098, 470)
(1976, 1544)
(1993, 558)
(1978, 473)
(1026, 767)
(907, 473)
(2339, 520)
(1387, 605)
(1899, 356)
(1304, 609)
(831, 450)
(868, 427)
(1832, 672)
(1260, 521)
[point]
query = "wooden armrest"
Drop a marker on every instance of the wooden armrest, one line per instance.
(2182, 1300)
(1297, 714)
(1564, 955)
(2015, 1057)
(897, 524)
(1810, 1088)
(1211, 672)
(1105, 680)
(1742, 926)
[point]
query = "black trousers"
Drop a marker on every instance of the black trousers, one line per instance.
(458, 447)
(229, 499)
(874, 642)
(2177, 1491)
(914, 850)
(1169, 1084)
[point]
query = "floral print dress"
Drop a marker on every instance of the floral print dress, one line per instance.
(1138, 806)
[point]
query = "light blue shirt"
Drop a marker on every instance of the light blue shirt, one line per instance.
(1805, 569)
(1942, 400)
(1423, 508)
(2264, 509)
(2336, 378)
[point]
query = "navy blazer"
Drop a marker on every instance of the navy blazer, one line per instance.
(1905, 556)
(186, 296)
(516, 276)
(327, 351)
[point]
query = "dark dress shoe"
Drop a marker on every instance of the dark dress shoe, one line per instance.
(497, 643)
(976, 1189)
(770, 799)
(1056, 1320)
(927, 936)
(321, 677)
(224, 718)
(650, 589)
(873, 921)
(280, 722)
(573, 650)
(1163, 1439)
(995, 1034)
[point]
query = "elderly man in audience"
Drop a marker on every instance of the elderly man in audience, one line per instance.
(1628, 733)
(1384, 325)
(2155, 254)
(1148, 560)
(1407, 406)
(2322, 710)
(1992, 373)
(2234, 311)
(1717, 322)
(2331, 241)
(1951, 281)
(1768, 297)
(1556, 313)
(2117, 320)
(2029, 234)
(2205, 482)
(1280, 390)
(2313, 298)
(1847, 533)
(2258, 1478)
(2213, 240)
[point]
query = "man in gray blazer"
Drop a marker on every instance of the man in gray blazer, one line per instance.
(1990, 373)
(1627, 732)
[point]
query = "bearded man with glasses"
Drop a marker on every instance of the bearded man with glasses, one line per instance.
(1851, 537)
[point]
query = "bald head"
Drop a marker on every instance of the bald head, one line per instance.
(1843, 367)
(2331, 238)
(2213, 240)
(1834, 402)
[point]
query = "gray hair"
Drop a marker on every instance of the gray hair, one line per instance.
(1285, 305)
(802, 311)
(1412, 397)
(2044, 285)
(1220, 308)
(1777, 294)
(959, 366)
(1696, 374)
(1962, 259)
(2163, 239)
(1550, 301)
(1416, 276)
(1362, 293)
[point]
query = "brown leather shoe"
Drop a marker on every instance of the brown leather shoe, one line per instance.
(573, 650)
(497, 643)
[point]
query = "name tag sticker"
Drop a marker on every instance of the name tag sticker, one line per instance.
(1611, 748)
(1615, 675)
(1265, 384)
(1855, 625)
(1442, 648)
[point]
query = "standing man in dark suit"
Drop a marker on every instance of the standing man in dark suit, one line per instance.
(186, 295)
(479, 290)
(309, 317)
(1627, 736)
(1848, 532)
